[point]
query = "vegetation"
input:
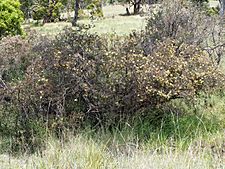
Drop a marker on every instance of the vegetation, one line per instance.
(222, 7)
(26, 6)
(107, 100)
(47, 10)
(10, 18)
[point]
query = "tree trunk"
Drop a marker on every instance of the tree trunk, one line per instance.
(127, 11)
(137, 6)
(76, 10)
(49, 17)
(222, 7)
(68, 8)
(150, 2)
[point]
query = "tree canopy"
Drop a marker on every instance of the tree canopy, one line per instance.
(11, 18)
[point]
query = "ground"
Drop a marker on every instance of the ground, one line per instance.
(113, 21)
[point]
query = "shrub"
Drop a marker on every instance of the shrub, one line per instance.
(25, 133)
(11, 18)
(18, 133)
(13, 57)
(182, 21)
(139, 81)
(58, 107)
(79, 76)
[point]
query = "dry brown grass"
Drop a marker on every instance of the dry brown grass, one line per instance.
(83, 153)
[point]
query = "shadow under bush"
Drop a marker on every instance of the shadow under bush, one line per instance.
(177, 123)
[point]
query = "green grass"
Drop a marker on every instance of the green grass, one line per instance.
(112, 22)
(193, 140)
(213, 3)
(87, 153)
(120, 25)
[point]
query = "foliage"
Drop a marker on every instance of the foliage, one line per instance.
(13, 58)
(200, 1)
(25, 134)
(26, 6)
(95, 8)
(213, 11)
(186, 24)
(135, 3)
(15, 55)
(11, 18)
(142, 81)
(80, 75)
(47, 10)
(39, 13)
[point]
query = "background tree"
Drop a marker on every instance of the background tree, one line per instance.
(76, 10)
(136, 4)
(11, 18)
(200, 1)
(26, 7)
(48, 10)
(93, 6)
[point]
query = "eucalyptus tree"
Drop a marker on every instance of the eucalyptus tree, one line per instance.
(48, 10)
(222, 7)
(26, 7)
(94, 6)
(76, 11)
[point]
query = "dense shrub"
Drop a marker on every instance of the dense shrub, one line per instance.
(25, 132)
(78, 75)
(11, 18)
(15, 55)
(27, 99)
(13, 52)
(182, 21)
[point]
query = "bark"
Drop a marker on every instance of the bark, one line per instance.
(76, 10)
(127, 11)
(137, 6)
(68, 6)
(222, 7)
(49, 17)
(150, 2)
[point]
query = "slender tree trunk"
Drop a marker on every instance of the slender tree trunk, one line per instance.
(76, 10)
(222, 7)
(137, 6)
(127, 11)
(150, 2)
(68, 8)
